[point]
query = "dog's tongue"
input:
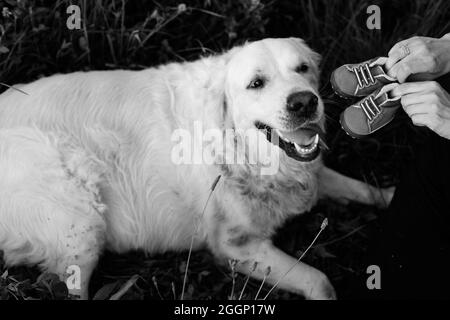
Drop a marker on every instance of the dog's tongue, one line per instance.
(303, 136)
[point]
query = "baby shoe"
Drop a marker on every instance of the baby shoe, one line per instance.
(361, 79)
(371, 113)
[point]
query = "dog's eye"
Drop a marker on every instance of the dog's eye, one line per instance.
(257, 83)
(303, 68)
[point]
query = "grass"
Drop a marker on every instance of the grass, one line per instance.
(35, 42)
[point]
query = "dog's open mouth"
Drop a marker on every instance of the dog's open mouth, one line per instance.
(302, 144)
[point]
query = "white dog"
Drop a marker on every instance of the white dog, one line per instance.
(86, 163)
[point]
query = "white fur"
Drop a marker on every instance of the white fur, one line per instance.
(85, 163)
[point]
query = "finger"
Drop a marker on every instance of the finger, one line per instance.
(403, 69)
(422, 120)
(396, 54)
(398, 45)
(415, 109)
(380, 61)
(403, 73)
(416, 98)
(413, 87)
(392, 59)
(387, 88)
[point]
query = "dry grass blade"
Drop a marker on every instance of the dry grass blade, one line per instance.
(119, 294)
(322, 227)
(14, 88)
(263, 282)
(155, 283)
(232, 264)
(247, 279)
(172, 285)
(213, 187)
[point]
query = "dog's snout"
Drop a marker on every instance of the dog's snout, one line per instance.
(303, 100)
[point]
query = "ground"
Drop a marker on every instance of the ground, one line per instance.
(134, 34)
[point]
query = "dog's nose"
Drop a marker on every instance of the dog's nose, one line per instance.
(303, 100)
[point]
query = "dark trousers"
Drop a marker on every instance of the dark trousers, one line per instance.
(413, 249)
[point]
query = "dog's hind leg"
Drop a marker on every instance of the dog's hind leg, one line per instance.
(344, 189)
(83, 244)
(50, 209)
(59, 239)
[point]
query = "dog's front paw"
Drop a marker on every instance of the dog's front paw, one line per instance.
(322, 290)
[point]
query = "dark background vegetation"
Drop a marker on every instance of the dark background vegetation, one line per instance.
(135, 34)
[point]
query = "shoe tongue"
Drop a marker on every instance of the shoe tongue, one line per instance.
(385, 99)
(377, 70)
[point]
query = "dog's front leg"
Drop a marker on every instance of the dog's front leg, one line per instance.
(261, 259)
(344, 189)
(234, 237)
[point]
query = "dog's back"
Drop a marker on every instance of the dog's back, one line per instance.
(123, 119)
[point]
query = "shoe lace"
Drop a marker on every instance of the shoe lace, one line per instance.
(364, 75)
(370, 108)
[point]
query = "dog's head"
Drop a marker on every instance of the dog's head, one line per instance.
(272, 84)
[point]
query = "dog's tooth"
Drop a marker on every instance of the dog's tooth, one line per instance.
(307, 150)
(299, 149)
(315, 143)
(316, 139)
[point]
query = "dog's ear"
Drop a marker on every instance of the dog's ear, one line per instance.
(303, 47)
(220, 89)
(316, 59)
(313, 56)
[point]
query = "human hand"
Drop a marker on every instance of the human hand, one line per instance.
(419, 58)
(427, 104)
